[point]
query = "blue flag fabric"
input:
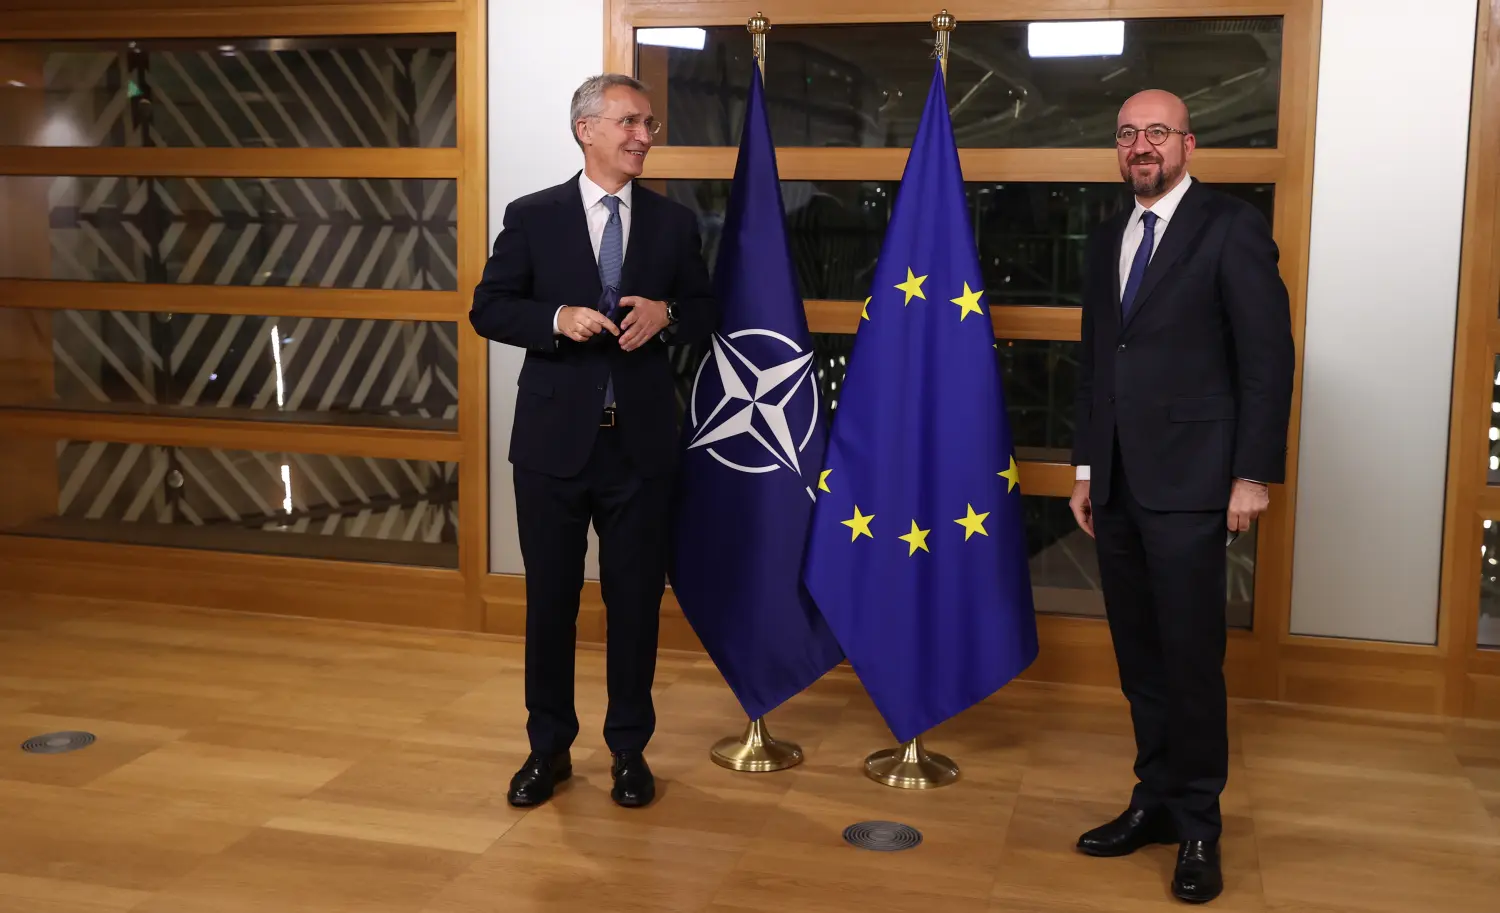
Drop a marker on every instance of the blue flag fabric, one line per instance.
(917, 554)
(753, 443)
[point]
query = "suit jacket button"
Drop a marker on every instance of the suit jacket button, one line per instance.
(600, 387)
(1121, 348)
(1111, 399)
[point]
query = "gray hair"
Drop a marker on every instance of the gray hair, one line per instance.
(588, 99)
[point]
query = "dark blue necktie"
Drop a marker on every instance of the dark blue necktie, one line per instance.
(611, 258)
(1138, 265)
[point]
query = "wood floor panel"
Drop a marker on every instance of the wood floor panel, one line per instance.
(252, 764)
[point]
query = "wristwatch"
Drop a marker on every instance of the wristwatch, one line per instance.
(671, 313)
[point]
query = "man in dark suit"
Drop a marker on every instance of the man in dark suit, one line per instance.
(593, 277)
(1184, 395)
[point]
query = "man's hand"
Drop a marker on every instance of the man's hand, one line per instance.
(1083, 508)
(579, 323)
(645, 320)
(1247, 501)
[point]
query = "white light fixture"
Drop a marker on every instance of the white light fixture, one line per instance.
(16, 84)
(1076, 39)
(688, 38)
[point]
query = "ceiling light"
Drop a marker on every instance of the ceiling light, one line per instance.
(689, 38)
(1075, 39)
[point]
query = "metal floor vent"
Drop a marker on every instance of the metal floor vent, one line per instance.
(884, 836)
(58, 742)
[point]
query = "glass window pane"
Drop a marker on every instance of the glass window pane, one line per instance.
(1489, 587)
(1030, 236)
(1065, 565)
(330, 233)
(864, 85)
(367, 91)
(1039, 378)
(340, 507)
(298, 369)
(1494, 469)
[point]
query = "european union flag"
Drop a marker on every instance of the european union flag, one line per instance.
(753, 443)
(917, 555)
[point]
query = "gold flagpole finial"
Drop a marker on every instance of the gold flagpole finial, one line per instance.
(943, 24)
(757, 27)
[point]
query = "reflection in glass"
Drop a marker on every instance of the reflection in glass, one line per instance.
(330, 233)
(1494, 467)
(349, 508)
(1039, 378)
(864, 85)
(1065, 566)
(1489, 587)
(1030, 236)
(368, 91)
(368, 372)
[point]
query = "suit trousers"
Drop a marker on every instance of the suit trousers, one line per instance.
(1163, 576)
(630, 514)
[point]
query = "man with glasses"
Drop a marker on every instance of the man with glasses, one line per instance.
(1183, 400)
(593, 278)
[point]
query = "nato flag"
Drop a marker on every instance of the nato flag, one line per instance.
(753, 443)
(917, 555)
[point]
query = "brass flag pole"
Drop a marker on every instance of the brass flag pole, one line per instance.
(755, 750)
(943, 24)
(911, 766)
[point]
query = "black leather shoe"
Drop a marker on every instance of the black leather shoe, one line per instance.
(1197, 879)
(1134, 829)
(634, 785)
(534, 782)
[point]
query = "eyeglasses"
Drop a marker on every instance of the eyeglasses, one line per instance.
(633, 122)
(1156, 134)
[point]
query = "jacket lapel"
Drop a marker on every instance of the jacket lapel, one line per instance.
(643, 215)
(576, 246)
(1117, 238)
(1181, 232)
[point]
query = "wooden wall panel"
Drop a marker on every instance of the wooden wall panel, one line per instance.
(1470, 685)
(257, 6)
(28, 468)
(473, 350)
(384, 594)
(37, 19)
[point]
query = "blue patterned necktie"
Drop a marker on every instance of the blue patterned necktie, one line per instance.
(1138, 265)
(611, 257)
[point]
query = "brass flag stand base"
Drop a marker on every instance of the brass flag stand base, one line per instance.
(756, 751)
(911, 767)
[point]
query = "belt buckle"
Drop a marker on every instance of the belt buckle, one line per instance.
(608, 419)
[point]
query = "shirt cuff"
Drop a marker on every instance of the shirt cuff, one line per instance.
(1082, 473)
(555, 315)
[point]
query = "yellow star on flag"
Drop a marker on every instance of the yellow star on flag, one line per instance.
(913, 286)
(973, 523)
(860, 524)
(1011, 475)
(864, 312)
(968, 301)
(917, 539)
(823, 481)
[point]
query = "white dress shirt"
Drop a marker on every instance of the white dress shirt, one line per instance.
(597, 215)
(1135, 230)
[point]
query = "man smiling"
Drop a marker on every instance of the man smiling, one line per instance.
(1184, 395)
(592, 277)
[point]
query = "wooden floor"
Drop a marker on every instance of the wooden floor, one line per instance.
(268, 765)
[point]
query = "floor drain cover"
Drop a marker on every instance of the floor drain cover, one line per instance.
(58, 742)
(887, 836)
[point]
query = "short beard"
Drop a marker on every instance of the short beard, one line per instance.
(1151, 187)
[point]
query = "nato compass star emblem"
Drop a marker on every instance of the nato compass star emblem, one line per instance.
(765, 402)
